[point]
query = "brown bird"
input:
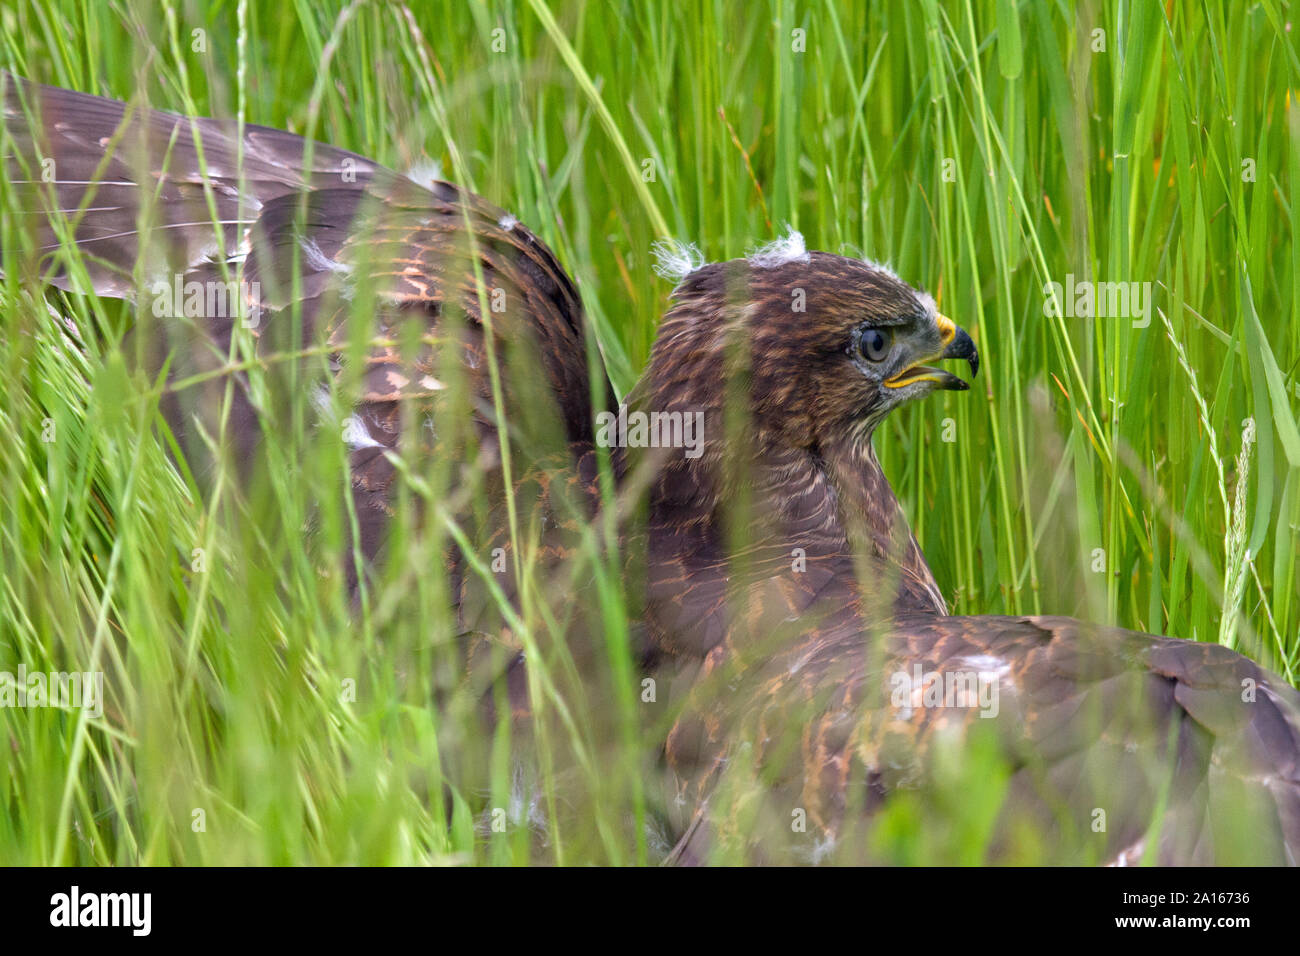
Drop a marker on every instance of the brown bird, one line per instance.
(786, 602)
(152, 201)
(346, 284)
(821, 675)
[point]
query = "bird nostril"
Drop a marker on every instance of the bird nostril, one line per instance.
(947, 329)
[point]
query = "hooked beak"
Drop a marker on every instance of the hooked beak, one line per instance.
(954, 343)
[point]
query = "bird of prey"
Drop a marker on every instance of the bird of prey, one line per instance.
(365, 300)
(153, 201)
(814, 677)
(822, 671)
(347, 284)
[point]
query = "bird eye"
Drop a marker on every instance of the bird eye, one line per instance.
(874, 345)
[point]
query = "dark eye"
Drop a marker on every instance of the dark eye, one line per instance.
(874, 345)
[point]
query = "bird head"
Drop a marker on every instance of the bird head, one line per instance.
(827, 345)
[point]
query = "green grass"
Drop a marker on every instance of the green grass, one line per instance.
(983, 148)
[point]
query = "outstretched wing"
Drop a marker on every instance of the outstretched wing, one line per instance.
(1103, 745)
(299, 233)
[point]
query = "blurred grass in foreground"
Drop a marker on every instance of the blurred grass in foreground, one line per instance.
(984, 149)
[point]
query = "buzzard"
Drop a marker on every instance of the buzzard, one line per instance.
(155, 202)
(815, 682)
(820, 667)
